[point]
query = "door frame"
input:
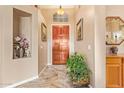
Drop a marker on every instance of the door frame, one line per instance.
(52, 40)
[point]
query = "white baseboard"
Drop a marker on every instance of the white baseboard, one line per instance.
(49, 64)
(42, 70)
(22, 82)
(90, 86)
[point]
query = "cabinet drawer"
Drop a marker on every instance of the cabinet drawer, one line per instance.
(114, 60)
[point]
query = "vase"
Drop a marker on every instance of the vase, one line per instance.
(24, 53)
(114, 50)
(21, 52)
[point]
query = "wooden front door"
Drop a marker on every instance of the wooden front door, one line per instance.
(60, 44)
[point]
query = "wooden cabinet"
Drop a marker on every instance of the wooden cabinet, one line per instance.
(123, 73)
(114, 72)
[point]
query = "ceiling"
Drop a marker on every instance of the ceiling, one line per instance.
(57, 6)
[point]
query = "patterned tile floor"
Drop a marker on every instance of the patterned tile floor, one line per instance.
(54, 76)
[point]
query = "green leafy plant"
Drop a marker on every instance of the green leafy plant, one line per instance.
(78, 70)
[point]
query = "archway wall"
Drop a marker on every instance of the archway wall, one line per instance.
(18, 70)
(48, 15)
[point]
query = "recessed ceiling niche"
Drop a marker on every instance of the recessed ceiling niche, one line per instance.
(22, 28)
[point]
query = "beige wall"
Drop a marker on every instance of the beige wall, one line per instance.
(100, 47)
(42, 46)
(93, 43)
(116, 10)
(87, 13)
(16, 25)
(0, 50)
(48, 15)
(17, 70)
(1, 46)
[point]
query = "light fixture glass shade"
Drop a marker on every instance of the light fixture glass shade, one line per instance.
(60, 11)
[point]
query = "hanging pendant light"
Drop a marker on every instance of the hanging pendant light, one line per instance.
(60, 11)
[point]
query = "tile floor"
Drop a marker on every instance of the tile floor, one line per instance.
(54, 76)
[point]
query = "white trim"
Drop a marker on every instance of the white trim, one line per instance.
(21, 82)
(90, 86)
(42, 70)
(69, 39)
(48, 64)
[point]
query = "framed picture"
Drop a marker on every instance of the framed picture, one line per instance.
(43, 32)
(79, 30)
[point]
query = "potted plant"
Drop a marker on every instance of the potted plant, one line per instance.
(78, 70)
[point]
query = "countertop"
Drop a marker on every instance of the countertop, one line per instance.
(114, 55)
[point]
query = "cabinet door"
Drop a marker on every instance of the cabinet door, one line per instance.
(114, 73)
(123, 72)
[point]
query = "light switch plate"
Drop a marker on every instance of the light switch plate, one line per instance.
(89, 47)
(41, 46)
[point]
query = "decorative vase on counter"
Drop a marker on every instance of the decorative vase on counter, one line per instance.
(114, 50)
(21, 52)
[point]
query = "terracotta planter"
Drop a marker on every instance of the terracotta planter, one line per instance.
(82, 83)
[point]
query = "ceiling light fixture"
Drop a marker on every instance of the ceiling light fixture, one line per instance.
(60, 11)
